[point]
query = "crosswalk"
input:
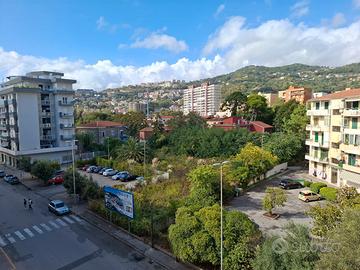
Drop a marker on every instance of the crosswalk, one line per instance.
(39, 229)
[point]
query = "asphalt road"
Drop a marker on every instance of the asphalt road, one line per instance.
(36, 239)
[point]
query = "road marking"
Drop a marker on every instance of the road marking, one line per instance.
(58, 220)
(29, 232)
(36, 228)
(2, 242)
(54, 224)
(20, 235)
(77, 218)
(46, 227)
(10, 238)
(8, 259)
(69, 220)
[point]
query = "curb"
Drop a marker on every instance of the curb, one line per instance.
(142, 252)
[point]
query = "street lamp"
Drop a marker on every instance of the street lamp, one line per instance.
(73, 163)
(221, 209)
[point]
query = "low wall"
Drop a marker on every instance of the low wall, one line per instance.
(278, 168)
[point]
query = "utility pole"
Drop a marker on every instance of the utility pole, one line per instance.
(73, 160)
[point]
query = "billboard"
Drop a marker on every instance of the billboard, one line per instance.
(120, 201)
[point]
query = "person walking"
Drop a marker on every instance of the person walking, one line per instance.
(30, 204)
(25, 203)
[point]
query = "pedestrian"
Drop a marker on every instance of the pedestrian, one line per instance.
(25, 203)
(30, 204)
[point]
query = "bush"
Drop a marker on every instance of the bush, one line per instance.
(82, 163)
(307, 183)
(315, 187)
(328, 193)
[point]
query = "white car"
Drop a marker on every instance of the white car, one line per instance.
(107, 172)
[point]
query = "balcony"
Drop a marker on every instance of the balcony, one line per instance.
(5, 144)
(322, 159)
(69, 103)
(351, 112)
(317, 144)
(335, 137)
(14, 127)
(4, 115)
(355, 169)
(46, 114)
(3, 102)
(348, 130)
(317, 112)
(12, 101)
(45, 102)
(66, 137)
(4, 135)
(66, 115)
(46, 125)
(310, 127)
(4, 127)
(47, 138)
(69, 126)
(350, 148)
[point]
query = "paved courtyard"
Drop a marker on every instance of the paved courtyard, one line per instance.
(294, 210)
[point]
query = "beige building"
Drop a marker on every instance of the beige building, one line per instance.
(334, 137)
(271, 98)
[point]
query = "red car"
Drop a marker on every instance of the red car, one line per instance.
(84, 168)
(59, 179)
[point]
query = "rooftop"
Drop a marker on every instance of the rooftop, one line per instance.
(261, 124)
(98, 124)
(347, 93)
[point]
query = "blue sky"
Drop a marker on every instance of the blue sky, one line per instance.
(134, 41)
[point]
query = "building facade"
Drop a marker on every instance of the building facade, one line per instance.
(103, 129)
(300, 94)
(204, 100)
(36, 117)
(334, 137)
(271, 98)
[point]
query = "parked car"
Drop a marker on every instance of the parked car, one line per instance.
(97, 169)
(120, 175)
(308, 196)
(129, 178)
(112, 173)
(84, 168)
(90, 169)
(58, 207)
(59, 172)
(57, 179)
(2, 174)
(11, 179)
(103, 170)
(105, 173)
(290, 184)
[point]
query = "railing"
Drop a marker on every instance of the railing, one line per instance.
(46, 114)
(45, 102)
(318, 112)
(351, 112)
(69, 103)
(47, 138)
(67, 137)
(46, 125)
(66, 115)
(62, 126)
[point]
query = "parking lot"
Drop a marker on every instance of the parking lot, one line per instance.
(294, 210)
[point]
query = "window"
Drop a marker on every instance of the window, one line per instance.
(354, 123)
(352, 159)
(326, 105)
(316, 136)
(336, 112)
(103, 134)
(336, 129)
(355, 105)
(317, 105)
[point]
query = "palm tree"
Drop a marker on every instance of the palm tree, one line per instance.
(132, 149)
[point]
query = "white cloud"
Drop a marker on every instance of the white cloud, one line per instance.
(338, 19)
(157, 40)
(104, 74)
(356, 3)
(101, 23)
(219, 10)
(300, 9)
(280, 42)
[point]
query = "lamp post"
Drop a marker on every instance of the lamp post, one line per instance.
(108, 147)
(73, 163)
(221, 209)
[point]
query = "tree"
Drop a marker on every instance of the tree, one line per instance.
(195, 237)
(257, 108)
(25, 164)
(294, 251)
(235, 103)
(80, 182)
(274, 197)
(134, 121)
(44, 169)
(86, 141)
(297, 121)
(132, 149)
(283, 113)
(343, 243)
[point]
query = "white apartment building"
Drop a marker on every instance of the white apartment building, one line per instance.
(334, 137)
(36, 117)
(204, 100)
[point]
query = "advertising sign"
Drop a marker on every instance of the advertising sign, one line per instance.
(120, 201)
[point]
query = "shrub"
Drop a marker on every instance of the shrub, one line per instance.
(328, 193)
(81, 163)
(315, 187)
(307, 183)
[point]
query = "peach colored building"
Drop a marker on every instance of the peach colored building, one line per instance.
(300, 94)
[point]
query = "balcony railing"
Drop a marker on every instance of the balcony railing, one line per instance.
(46, 114)
(4, 126)
(317, 112)
(318, 143)
(351, 112)
(47, 138)
(46, 125)
(69, 103)
(66, 137)
(62, 126)
(66, 115)
(45, 102)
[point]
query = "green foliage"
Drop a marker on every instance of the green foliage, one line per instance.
(307, 183)
(195, 237)
(325, 218)
(44, 169)
(132, 149)
(25, 164)
(315, 187)
(133, 120)
(297, 121)
(348, 197)
(328, 193)
(257, 105)
(235, 102)
(86, 141)
(283, 113)
(274, 197)
(293, 251)
(343, 242)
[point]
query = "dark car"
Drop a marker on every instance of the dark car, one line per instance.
(103, 170)
(59, 172)
(11, 179)
(2, 174)
(58, 207)
(290, 184)
(129, 178)
(97, 169)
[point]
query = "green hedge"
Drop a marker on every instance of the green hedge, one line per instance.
(328, 193)
(307, 183)
(315, 187)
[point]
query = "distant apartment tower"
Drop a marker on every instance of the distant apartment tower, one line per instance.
(204, 100)
(36, 117)
(136, 107)
(300, 94)
(334, 137)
